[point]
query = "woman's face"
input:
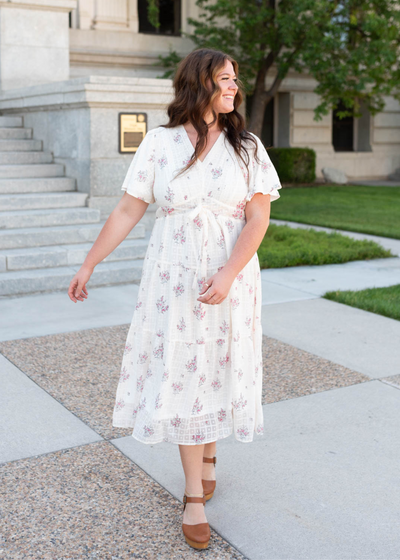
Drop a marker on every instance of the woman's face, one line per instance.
(226, 80)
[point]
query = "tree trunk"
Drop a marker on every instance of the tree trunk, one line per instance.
(258, 106)
(260, 97)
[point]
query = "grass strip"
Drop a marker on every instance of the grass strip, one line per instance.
(284, 246)
(383, 301)
(373, 210)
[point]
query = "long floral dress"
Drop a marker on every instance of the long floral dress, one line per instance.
(191, 372)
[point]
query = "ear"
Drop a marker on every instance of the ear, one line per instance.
(209, 84)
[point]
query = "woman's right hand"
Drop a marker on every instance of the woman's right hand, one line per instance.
(77, 287)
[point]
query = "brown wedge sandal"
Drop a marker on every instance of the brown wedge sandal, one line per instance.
(197, 535)
(209, 485)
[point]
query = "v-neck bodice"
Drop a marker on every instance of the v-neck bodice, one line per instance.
(186, 135)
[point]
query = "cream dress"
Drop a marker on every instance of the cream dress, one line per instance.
(191, 372)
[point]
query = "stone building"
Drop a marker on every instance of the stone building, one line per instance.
(68, 68)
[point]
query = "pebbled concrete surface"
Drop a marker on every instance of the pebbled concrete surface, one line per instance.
(92, 502)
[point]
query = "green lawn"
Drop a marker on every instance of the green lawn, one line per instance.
(374, 210)
(384, 301)
(285, 246)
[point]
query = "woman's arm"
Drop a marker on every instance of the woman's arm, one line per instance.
(128, 212)
(257, 221)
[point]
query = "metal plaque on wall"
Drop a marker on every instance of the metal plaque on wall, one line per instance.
(132, 130)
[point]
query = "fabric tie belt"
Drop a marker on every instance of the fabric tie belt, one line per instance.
(205, 215)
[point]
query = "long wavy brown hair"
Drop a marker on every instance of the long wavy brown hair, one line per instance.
(193, 99)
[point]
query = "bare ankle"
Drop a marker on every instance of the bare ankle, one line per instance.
(195, 489)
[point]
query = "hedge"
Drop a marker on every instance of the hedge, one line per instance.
(294, 165)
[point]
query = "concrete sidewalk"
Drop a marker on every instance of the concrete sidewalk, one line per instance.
(325, 472)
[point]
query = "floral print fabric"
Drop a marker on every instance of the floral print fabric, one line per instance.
(191, 372)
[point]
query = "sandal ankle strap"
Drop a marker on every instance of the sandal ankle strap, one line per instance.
(194, 499)
(210, 460)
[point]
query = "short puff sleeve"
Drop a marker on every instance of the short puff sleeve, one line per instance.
(139, 180)
(263, 177)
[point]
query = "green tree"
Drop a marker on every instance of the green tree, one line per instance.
(351, 48)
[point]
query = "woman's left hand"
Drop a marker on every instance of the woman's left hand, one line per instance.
(218, 288)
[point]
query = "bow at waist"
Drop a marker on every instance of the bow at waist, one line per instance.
(205, 214)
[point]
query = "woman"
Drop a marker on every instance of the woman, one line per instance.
(192, 368)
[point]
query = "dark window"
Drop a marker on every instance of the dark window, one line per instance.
(342, 131)
(70, 19)
(267, 132)
(170, 18)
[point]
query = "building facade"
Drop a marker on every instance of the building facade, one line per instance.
(364, 147)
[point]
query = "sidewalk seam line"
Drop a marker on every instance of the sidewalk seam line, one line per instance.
(54, 398)
(38, 455)
(391, 384)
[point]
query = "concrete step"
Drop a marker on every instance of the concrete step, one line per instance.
(58, 235)
(55, 279)
(11, 121)
(34, 201)
(37, 185)
(66, 255)
(43, 218)
(16, 132)
(11, 145)
(38, 170)
(25, 158)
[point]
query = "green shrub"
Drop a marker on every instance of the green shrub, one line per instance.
(285, 246)
(294, 165)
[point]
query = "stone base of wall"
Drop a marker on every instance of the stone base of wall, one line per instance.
(359, 165)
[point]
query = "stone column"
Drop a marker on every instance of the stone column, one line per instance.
(110, 15)
(133, 17)
(34, 42)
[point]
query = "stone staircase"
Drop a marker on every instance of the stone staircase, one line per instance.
(46, 229)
